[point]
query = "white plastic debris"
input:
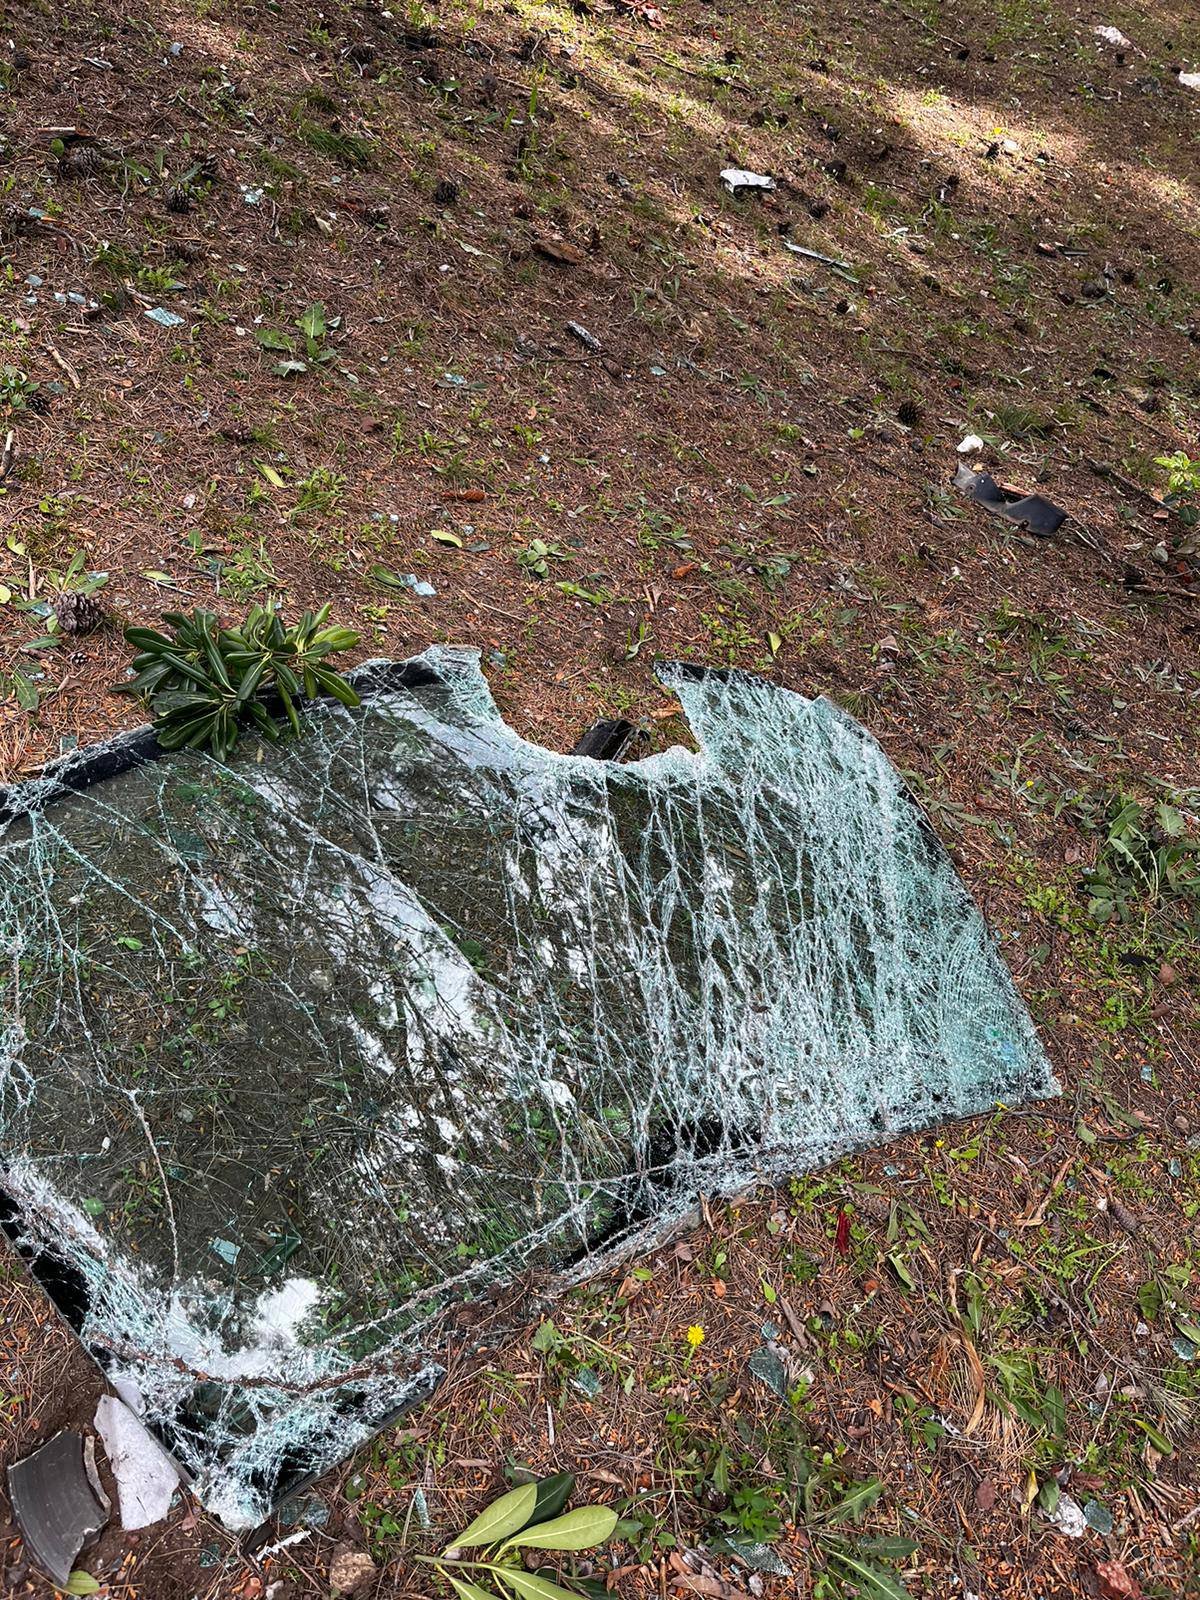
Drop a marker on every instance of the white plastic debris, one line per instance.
(1113, 36)
(1068, 1517)
(734, 178)
(1190, 80)
(146, 1476)
(970, 444)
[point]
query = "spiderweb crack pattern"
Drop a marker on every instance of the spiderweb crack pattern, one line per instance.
(298, 1049)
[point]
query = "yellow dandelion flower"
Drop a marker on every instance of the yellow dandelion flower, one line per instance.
(695, 1336)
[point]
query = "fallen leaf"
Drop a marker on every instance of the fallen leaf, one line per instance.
(694, 1584)
(471, 495)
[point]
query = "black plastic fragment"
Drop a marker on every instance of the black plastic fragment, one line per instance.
(58, 1502)
(1030, 511)
(606, 740)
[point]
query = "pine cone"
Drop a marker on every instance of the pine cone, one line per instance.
(81, 161)
(78, 613)
(179, 200)
(909, 413)
(37, 401)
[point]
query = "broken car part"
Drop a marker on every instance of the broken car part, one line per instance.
(1031, 511)
(58, 1502)
(303, 1053)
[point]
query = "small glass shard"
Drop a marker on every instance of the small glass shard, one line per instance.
(298, 1052)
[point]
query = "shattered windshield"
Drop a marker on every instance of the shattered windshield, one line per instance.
(300, 1049)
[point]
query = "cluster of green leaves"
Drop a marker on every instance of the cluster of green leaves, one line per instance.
(17, 389)
(310, 350)
(1147, 865)
(73, 579)
(204, 682)
(530, 1517)
(579, 1359)
(1183, 484)
(536, 556)
(854, 1564)
(747, 1512)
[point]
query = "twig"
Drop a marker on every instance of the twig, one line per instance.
(702, 77)
(484, 606)
(1113, 476)
(64, 366)
(9, 455)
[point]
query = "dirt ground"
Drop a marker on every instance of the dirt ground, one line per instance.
(606, 410)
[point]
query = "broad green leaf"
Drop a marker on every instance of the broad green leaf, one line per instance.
(312, 323)
(270, 474)
(774, 643)
(504, 1516)
(532, 1587)
(896, 1262)
(444, 536)
(873, 1582)
(468, 1591)
(81, 1582)
(1158, 1439)
(888, 1548)
(158, 577)
(26, 691)
(271, 339)
(581, 1529)
(554, 1492)
(5, 594)
(390, 580)
(856, 1502)
(1170, 821)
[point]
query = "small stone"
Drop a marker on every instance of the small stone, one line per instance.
(350, 1570)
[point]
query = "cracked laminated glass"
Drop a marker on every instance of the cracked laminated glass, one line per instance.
(300, 1050)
